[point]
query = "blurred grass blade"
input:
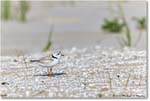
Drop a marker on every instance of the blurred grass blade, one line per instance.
(128, 33)
(141, 23)
(49, 43)
(5, 9)
(24, 7)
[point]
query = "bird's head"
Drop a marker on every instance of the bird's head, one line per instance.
(57, 55)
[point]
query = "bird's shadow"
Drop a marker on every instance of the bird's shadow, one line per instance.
(53, 74)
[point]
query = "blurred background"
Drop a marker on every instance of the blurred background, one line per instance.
(35, 26)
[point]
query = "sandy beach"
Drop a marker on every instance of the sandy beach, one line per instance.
(83, 73)
(97, 63)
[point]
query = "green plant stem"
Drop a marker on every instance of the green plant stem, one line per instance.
(100, 95)
(49, 42)
(24, 7)
(128, 34)
(127, 82)
(5, 6)
(110, 83)
(140, 80)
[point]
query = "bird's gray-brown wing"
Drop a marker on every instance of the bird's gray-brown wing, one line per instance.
(41, 59)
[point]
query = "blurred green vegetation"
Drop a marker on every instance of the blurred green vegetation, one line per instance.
(141, 23)
(100, 95)
(49, 42)
(113, 25)
(128, 40)
(5, 9)
(48, 46)
(120, 25)
(141, 26)
(24, 7)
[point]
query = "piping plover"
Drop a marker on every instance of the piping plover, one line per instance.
(54, 60)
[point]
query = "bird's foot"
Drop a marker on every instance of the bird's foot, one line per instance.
(50, 75)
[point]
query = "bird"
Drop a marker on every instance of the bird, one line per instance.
(54, 60)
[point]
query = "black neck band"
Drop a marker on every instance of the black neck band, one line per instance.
(54, 57)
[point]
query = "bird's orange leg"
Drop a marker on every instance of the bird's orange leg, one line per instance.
(50, 72)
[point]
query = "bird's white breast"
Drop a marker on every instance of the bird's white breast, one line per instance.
(55, 62)
(50, 64)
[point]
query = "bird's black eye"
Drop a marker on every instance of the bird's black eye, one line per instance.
(58, 52)
(118, 75)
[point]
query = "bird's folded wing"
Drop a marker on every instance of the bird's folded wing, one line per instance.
(41, 59)
(44, 65)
